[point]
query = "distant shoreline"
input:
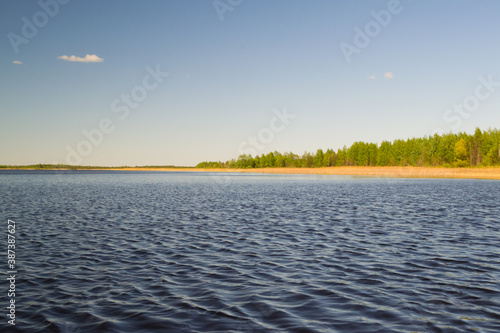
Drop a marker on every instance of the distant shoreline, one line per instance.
(371, 171)
(392, 172)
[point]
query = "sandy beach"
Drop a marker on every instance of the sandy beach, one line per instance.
(394, 172)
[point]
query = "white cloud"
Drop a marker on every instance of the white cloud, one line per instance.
(388, 75)
(371, 77)
(17, 62)
(87, 58)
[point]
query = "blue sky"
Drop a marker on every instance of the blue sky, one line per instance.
(232, 66)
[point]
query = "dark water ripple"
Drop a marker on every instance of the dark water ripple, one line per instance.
(142, 252)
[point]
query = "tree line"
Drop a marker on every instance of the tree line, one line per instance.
(447, 150)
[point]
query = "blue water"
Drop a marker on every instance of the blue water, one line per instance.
(110, 251)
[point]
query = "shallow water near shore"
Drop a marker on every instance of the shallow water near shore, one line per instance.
(117, 251)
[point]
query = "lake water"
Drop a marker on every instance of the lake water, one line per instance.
(109, 251)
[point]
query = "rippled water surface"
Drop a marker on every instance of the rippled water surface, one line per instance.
(180, 252)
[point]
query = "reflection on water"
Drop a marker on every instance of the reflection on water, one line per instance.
(180, 252)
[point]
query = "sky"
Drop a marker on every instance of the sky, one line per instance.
(116, 83)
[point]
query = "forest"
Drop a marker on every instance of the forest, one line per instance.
(447, 150)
